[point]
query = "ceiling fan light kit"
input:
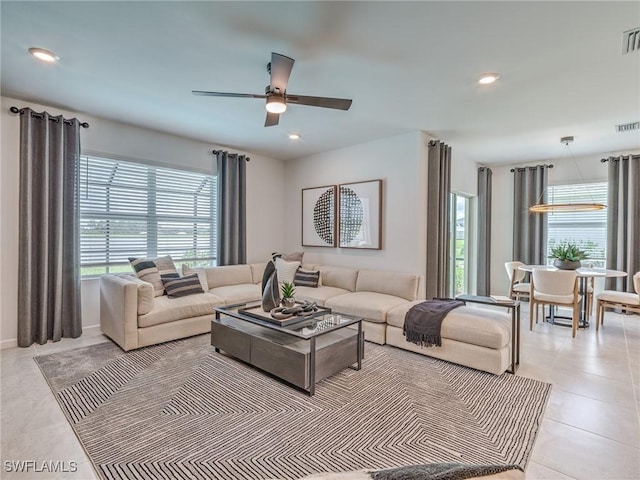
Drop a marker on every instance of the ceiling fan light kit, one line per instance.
(276, 104)
(276, 92)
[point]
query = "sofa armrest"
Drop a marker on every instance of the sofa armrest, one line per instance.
(119, 310)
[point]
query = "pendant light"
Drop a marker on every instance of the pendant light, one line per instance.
(568, 207)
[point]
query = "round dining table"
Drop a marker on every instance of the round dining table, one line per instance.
(584, 273)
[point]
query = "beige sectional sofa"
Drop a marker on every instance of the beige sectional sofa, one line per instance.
(474, 337)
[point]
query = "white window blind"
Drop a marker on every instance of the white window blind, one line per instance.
(134, 210)
(588, 230)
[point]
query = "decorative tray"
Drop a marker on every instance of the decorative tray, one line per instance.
(257, 312)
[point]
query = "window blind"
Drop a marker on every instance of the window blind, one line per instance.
(588, 230)
(134, 210)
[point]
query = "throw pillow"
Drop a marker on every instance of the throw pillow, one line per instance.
(306, 278)
(153, 270)
(202, 275)
(286, 270)
(182, 286)
(288, 257)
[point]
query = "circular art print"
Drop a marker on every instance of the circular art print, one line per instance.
(351, 215)
(323, 216)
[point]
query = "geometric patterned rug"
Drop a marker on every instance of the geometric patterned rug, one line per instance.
(179, 410)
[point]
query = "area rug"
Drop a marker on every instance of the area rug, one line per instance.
(180, 410)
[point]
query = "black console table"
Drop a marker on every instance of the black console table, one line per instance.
(514, 306)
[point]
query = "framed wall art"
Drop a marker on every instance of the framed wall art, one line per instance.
(360, 213)
(319, 216)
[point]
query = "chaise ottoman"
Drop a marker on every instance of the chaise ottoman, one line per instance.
(475, 337)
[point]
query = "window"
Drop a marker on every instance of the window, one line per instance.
(588, 230)
(135, 210)
(461, 247)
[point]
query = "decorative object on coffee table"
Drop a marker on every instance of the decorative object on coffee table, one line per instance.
(360, 215)
(288, 290)
(319, 216)
(270, 290)
(567, 257)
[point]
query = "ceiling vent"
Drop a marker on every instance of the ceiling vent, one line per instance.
(631, 41)
(627, 127)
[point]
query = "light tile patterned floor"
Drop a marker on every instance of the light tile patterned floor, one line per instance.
(591, 427)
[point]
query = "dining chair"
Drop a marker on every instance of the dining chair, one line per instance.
(517, 288)
(554, 288)
(625, 301)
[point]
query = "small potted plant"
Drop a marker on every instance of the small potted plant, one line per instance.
(567, 257)
(288, 290)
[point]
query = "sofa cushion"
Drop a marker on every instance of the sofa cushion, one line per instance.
(228, 275)
(237, 293)
(167, 309)
(202, 275)
(397, 284)
(478, 326)
(257, 270)
(182, 286)
(319, 294)
(371, 306)
(339, 277)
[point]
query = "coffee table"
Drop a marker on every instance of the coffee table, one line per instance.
(301, 353)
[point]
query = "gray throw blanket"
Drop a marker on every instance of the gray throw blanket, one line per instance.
(423, 321)
(441, 471)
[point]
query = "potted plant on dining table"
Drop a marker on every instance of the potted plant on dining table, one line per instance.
(567, 256)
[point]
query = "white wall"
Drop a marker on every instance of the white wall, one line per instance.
(265, 184)
(564, 171)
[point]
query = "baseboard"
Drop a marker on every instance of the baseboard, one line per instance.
(13, 342)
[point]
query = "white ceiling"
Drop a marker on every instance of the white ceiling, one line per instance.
(407, 66)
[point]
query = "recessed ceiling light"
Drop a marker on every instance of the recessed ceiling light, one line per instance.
(487, 78)
(294, 136)
(44, 55)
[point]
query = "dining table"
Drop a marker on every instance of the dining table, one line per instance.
(584, 273)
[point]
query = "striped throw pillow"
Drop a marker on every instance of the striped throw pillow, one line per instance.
(182, 286)
(306, 278)
(153, 270)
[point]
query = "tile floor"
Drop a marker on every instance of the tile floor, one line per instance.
(590, 430)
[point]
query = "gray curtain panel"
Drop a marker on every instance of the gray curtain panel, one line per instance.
(483, 286)
(529, 229)
(623, 220)
(232, 216)
(49, 255)
(438, 193)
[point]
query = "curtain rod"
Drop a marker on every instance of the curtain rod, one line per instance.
(17, 110)
(616, 159)
(520, 169)
(216, 152)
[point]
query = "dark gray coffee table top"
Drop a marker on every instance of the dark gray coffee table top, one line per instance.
(306, 328)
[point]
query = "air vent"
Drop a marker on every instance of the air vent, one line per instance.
(627, 127)
(631, 41)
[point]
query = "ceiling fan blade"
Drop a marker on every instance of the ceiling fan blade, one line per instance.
(324, 102)
(280, 71)
(272, 119)
(222, 94)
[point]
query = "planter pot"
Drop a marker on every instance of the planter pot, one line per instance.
(288, 302)
(565, 264)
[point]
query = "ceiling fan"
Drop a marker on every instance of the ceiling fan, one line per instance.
(276, 92)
